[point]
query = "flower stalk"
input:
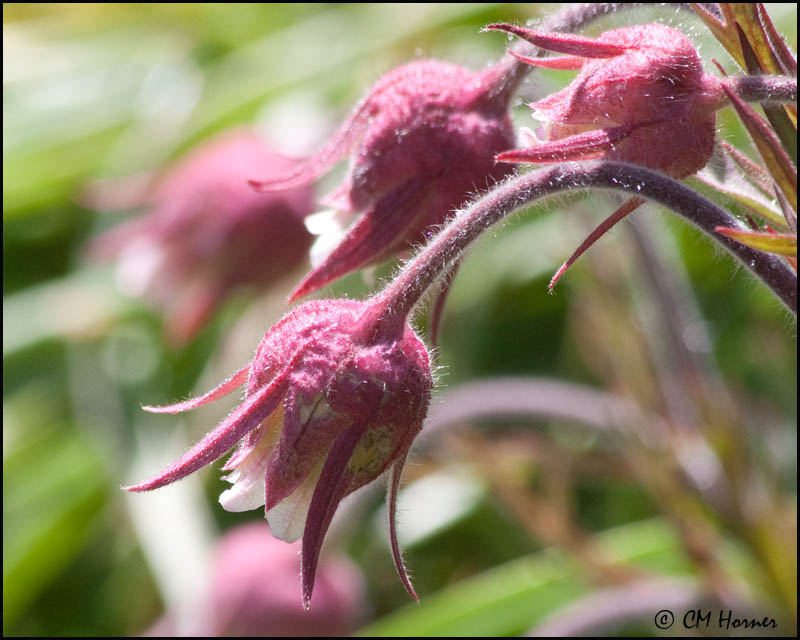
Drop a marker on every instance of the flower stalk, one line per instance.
(764, 89)
(402, 294)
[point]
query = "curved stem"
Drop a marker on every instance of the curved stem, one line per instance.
(404, 292)
(609, 607)
(515, 398)
(769, 89)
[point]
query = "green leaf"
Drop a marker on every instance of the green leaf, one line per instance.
(53, 487)
(769, 147)
(782, 243)
(737, 191)
(724, 30)
(514, 597)
(747, 16)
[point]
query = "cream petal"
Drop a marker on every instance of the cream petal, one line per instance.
(324, 245)
(323, 222)
(287, 519)
(330, 226)
(138, 267)
(246, 493)
(541, 116)
(529, 138)
(248, 478)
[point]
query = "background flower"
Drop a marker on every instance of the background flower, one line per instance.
(422, 141)
(253, 589)
(206, 234)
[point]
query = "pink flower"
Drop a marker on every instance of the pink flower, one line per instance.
(422, 141)
(336, 393)
(254, 576)
(251, 592)
(641, 96)
(207, 235)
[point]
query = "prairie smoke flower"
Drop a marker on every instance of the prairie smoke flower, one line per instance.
(253, 582)
(641, 97)
(207, 234)
(336, 393)
(251, 592)
(422, 141)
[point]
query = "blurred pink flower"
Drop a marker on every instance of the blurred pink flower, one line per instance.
(253, 589)
(336, 393)
(252, 592)
(206, 234)
(422, 141)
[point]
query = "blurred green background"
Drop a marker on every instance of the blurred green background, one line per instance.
(514, 513)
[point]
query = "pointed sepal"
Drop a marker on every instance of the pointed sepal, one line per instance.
(567, 43)
(581, 146)
(397, 556)
(330, 489)
(246, 417)
(234, 382)
(373, 235)
(627, 207)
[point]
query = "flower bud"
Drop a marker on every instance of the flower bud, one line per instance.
(641, 96)
(334, 399)
(207, 234)
(422, 141)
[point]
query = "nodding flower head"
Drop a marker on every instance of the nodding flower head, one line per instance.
(207, 233)
(334, 398)
(641, 96)
(422, 141)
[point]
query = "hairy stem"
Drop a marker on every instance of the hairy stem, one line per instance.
(404, 292)
(768, 89)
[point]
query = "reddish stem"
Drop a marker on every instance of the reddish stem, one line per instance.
(390, 307)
